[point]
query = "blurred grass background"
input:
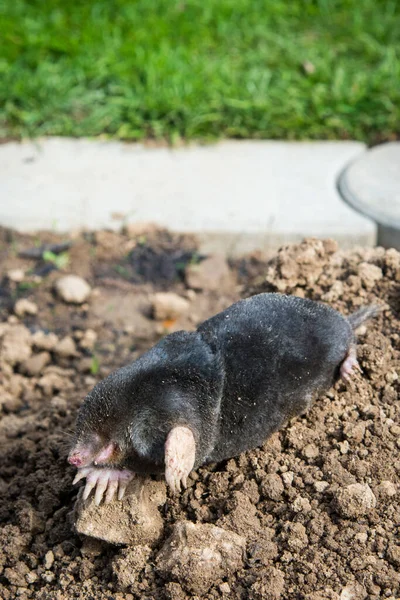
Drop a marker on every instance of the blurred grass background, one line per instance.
(133, 69)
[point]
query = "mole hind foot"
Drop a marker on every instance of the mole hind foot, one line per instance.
(180, 454)
(349, 363)
(104, 480)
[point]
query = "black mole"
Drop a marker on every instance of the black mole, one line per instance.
(211, 394)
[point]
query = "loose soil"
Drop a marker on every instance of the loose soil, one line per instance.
(318, 504)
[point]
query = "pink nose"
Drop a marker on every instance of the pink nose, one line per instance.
(75, 460)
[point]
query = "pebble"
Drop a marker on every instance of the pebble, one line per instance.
(88, 339)
(48, 560)
(355, 500)
(369, 274)
(387, 489)
(272, 486)
(212, 274)
(311, 451)
(35, 364)
(16, 275)
(73, 289)
(168, 305)
(24, 307)
(321, 486)
(43, 341)
(301, 505)
(354, 591)
(66, 347)
(200, 553)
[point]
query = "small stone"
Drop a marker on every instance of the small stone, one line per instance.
(15, 343)
(301, 505)
(287, 478)
(361, 537)
(24, 307)
(88, 339)
(31, 577)
(43, 341)
(321, 486)
(16, 275)
(66, 347)
(393, 553)
(355, 500)
(224, 588)
(48, 560)
(369, 274)
(212, 274)
(167, 305)
(34, 365)
(311, 451)
(73, 289)
(198, 554)
(354, 591)
(387, 489)
(395, 430)
(272, 486)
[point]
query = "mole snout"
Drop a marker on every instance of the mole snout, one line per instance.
(78, 460)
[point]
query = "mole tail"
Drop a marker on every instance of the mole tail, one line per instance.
(363, 314)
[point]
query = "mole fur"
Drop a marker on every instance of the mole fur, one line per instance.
(233, 382)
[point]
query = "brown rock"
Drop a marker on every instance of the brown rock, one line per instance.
(135, 520)
(369, 274)
(35, 364)
(66, 347)
(212, 274)
(354, 500)
(198, 555)
(354, 591)
(24, 307)
(15, 343)
(272, 486)
(167, 305)
(43, 341)
(88, 339)
(72, 289)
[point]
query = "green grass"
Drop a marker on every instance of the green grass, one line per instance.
(200, 68)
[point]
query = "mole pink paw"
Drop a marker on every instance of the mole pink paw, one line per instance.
(104, 481)
(180, 453)
(349, 364)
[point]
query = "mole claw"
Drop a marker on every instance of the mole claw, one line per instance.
(112, 488)
(100, 489)
(78, 477)
(88, 488)
(122, 487)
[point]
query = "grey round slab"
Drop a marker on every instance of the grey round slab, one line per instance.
(371, 184)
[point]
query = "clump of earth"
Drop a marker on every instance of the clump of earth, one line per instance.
(313, 514)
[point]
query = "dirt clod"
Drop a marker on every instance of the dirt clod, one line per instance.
(73, 289)
(167, 305)
(199, 555)
(355, 500)
(134, 520)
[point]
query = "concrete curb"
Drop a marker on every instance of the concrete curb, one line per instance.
(236, 195)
